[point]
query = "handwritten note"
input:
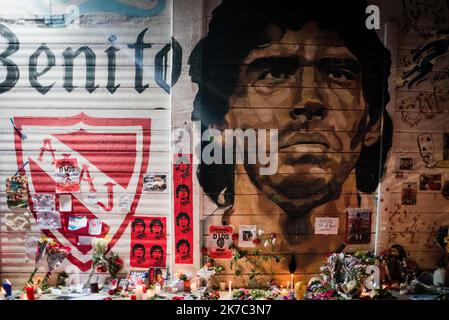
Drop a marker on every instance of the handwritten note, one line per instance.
(326, 225)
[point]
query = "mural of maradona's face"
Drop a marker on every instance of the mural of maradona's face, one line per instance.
(308, 86)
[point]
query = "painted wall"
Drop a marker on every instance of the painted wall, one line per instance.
(160, 95)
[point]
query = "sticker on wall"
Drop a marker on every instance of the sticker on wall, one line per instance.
(48, 220)
(183, 208)
(43, 202)
(17, 222)
(430, 182)
(409, 193)
(17, 191)
(247, 234)
(358, 229)
(220, 240)
(155, 182)
(326, 225)
(67, 175)
(148, 242)
(65, 203)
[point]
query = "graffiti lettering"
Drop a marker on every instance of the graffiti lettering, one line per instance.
(69, 55)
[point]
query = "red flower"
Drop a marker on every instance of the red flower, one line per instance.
(111, 292)
(235, 236)
(133, 297)
(203, 250)
(107, 298)
(273, 236)
(256, 241)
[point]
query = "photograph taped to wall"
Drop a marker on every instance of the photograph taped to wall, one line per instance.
(358, 229)
(409, 193)
(430, 182)
(155, 182)
(48, 220)
(43, 202)
(17, 221)
(247, 234)
(404, 164)
(17, 191)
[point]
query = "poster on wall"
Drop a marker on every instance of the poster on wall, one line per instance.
(43, 202)
(358, 229)
(220, 240)
(148, 242)
(48, 220)
(67, 175)
(17, 191)
(247, 234)
(183, 208)
(155, 182)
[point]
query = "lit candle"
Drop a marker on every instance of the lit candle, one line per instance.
(292, 281)
(29, 289)
(230, 287)
(139, 292)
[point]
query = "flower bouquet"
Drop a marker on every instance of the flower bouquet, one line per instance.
(249, 294)
(99, 261)
(115, 263)
(48, 250)
(183, 283)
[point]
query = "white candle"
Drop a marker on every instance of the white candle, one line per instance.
(292, 281)
(288, 285)
(230, 287)
(157, 288)
(139, 292)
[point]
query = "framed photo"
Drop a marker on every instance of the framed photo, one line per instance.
(157, 275)
(358, 228)
(123, 283)
(247, 233)
(134, 276)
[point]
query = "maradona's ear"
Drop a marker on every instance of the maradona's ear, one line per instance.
(373, 134)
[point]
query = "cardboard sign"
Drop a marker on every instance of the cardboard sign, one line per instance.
(326, 225)
(220, 240)
(67, 175)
